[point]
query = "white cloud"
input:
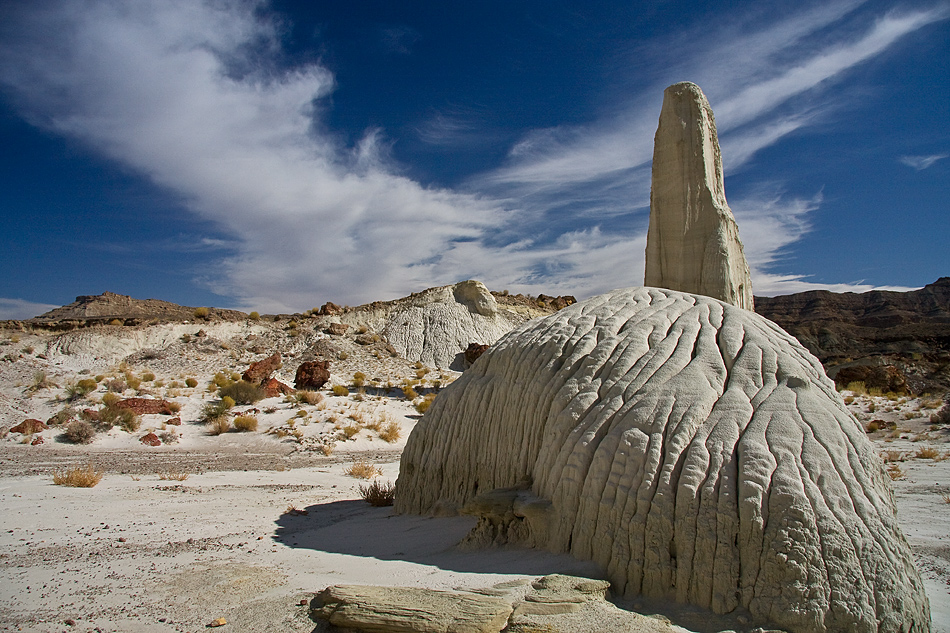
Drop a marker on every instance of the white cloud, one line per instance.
(922, 162)
(19, 309)
(190, 94)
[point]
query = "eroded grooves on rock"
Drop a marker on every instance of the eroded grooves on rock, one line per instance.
(693, 242)
(694, 450)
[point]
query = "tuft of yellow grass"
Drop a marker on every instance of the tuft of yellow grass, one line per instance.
(895, 472)
(245, 423)
(362, 469)
(391, 432)
(173, 475)
(927, 452)
(379, 495)
(78, 477)
(218, 425)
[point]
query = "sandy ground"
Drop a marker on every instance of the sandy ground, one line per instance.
(261, 521)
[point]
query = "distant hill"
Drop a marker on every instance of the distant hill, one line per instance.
(873, 336)
(109, 306)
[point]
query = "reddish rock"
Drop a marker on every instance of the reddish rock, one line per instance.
(337, 329)
(150, 439)
(258, 373)
(38, 440)
(29, 426)
(174, 422)
(274, 387)
(90, 414)
(312, 374)
(473, 351)
(144, 406)
(329, 309)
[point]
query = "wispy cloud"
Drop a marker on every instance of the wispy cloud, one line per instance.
(192, 95)
(922, 162)
(18, 309)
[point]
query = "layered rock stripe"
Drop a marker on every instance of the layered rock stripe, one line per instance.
(694, 450)
(693, 242)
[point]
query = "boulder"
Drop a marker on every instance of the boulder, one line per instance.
(174, 421)
(150, 439)
(474, 351)
(259, 372)
(694, 450)
(330, 309)
(312, 374)
(145, 406)
(274, 387)
(693, 242)
(29, 426)
(337, 329)
(411, 610)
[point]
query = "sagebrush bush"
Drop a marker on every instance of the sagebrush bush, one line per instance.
(80, 389)
(79, 432)
(219, 425)
(306, 396)
(201, 313)
(62, 416)
(242, 392)
(132, 381)
(110, 398)
(191, 382)
(78, 477)
(423, 405)
(359, 379)
(254, 316)
(379, 495)
(117, 386)
(124, 418)
(148, 376)
(245, 423)
(409, 393)
(340, 390)
(362, 469)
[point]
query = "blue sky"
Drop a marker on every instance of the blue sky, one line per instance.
(278, 155)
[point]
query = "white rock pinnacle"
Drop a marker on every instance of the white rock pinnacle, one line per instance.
(693, 241)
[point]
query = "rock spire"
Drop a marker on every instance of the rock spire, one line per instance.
(693, 241)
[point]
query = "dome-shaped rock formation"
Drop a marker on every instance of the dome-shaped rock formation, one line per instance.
(693, 449)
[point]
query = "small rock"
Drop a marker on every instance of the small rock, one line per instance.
(217, 622)
(69, 622)
(174, 421)
(337, 329)
(38, 440)
(259, 372)
(29, 426)
(150, 439)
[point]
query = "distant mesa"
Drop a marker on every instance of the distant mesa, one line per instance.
(693, 242)
(109, 306)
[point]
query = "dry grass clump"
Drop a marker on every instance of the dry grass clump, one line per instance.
(895, 472)
(219, 425)
(927, 452)
(191, 382)
(857, 387)
(359, 379)
(173, 475)
(201, 313)
(351, 430)
(306, 396)
(245, 423)
(242, 392)
(169, 437)
(79, 432)
(409, 393)
(78, 477)
(40, 381)
(340, 390)
(379, 495)
(293, 510)
(362, 469)
(426, 402)
(80, 389)
(62, 416)
(391, 432)
(125, 419)
(946, 498)
(893, 456)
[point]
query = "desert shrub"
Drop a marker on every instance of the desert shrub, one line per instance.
(115, 322)
(78, 477)
(942, 416)
(359, 379)
(117, 386)
(80, 389)
(245, 423)
(377, 494)
(301, 414)
(219, 425)
(254, 316)
(309, 397)
(873, 426)
(110, 398)
(927, 452)
(242, 392)
(79, 432)
(420, 373)
(40, 381)
(62, 416)
(125, 419)
(362, 469)
(423, 405)
(340, 390)
(173, 475)
(201, 313)
(351, 430)
(857, 386)
(148, 376)
(895, 472)
(343, 355)
(191, 382)
(848, 399)
(409, 393)
(29, 349)
(216, 409)
(168, 437)
(132, 381)
(391, 432)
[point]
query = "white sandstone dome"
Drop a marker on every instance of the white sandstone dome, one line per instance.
(695, 450)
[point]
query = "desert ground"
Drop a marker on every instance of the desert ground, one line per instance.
(248, 526)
